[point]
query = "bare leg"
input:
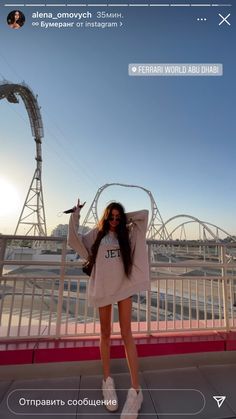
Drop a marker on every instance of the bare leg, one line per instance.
(125, 308)
(105, 321)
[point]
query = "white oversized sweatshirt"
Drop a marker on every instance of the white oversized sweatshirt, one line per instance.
(108, 282)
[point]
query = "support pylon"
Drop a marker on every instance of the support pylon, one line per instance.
(33, 214)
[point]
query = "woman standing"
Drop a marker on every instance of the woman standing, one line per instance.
(116, 249)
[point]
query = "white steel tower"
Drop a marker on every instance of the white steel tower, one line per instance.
(33, 214)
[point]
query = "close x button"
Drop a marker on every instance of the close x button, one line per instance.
(224, 19)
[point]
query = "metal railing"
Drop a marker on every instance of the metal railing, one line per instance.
(43, 292)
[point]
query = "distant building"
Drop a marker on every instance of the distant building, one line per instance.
(60, 231)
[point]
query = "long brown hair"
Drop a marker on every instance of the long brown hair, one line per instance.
(122, 235)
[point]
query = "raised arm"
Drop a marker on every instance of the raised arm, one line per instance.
(80, 243)
(138, 219)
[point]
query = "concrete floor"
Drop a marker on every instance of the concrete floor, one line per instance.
(173, 387)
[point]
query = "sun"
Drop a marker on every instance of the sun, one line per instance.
(9, 198)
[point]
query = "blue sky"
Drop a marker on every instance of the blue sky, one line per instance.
(172, 135)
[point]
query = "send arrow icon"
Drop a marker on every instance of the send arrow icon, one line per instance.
(219, 400)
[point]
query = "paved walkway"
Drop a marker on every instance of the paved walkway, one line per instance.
(169, 393)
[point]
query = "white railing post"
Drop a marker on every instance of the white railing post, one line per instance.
(225, 292)
(3, 244)
(61, 290)
(148, 302)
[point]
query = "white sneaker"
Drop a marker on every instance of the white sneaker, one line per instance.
(132, 405)
(109, 394)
